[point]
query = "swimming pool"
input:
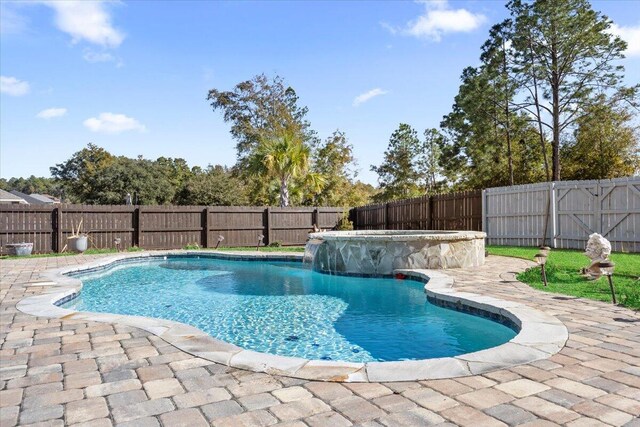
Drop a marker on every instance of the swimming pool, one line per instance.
(284, 309)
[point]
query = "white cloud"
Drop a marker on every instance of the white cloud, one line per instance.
(438, 19)
(92, 56)
(631, 35)
(14, 87)
(86, 20)
(51, 113)
(364, 97)
(113, 123)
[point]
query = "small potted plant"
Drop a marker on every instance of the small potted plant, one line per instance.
(79, 240)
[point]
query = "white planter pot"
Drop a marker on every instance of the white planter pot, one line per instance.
(78, 243)
(19, 249)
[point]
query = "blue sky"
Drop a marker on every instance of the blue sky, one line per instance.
(133, 77)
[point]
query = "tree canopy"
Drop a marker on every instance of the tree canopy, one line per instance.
(213, 186)
(32, 184)
(604, 145)
(95, 176)
(282, 158)
(549, 81)
(334, 160)
(568, 61)
(398, 175)
(289, 171)
(261, 108)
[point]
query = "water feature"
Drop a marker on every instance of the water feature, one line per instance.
(380, 252)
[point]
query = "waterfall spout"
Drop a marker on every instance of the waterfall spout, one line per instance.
(310, 250)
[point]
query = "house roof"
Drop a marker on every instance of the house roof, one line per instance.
(29, 198)
(43, 198)
(7, 197)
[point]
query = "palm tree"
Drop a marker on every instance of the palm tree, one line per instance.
(284, 158)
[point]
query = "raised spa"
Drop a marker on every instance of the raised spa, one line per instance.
(379, 252)
(285, 309)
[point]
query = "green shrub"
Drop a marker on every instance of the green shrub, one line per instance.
(134, 249)
(275, 244)
(192, 246)
(343, 223)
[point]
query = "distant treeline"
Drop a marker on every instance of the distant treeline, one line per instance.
(94, 176)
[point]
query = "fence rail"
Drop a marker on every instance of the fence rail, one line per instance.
(160, 227)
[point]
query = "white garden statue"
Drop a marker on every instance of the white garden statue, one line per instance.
(598, 249)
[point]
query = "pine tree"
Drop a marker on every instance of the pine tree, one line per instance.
(569, 55)
(398, 175)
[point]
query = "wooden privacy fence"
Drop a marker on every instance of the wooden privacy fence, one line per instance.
(568, 211)
(160, 227)
(454, 211)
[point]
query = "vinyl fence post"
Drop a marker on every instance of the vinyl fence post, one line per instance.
(554, 214)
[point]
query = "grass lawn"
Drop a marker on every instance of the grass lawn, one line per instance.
(94, 251)
(563, 274)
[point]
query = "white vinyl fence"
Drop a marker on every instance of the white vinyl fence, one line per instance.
(567, 212)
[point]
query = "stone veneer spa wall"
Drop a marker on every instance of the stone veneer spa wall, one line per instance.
(379, 252)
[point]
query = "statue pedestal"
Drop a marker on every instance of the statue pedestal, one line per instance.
(598, 249)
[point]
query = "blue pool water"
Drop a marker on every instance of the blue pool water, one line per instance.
(283, 308)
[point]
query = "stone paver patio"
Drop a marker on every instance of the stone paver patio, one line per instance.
(73, 372)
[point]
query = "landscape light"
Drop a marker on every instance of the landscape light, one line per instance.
(545, 249)
(541, 260)
(117, 242)
(220, 239)
(606, 267)
(260, 237)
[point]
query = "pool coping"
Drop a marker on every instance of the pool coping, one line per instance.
(541, 335)
(398, 235)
